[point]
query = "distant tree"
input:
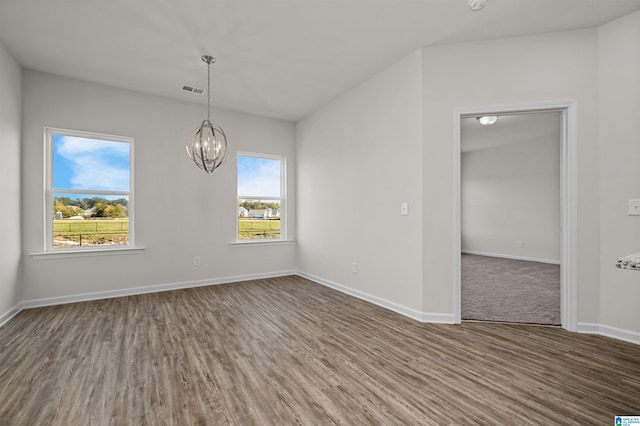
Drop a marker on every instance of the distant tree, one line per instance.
(258, 205)
(67, 211)
(91, 202)
(88, 203)
(121, 201)
(101, 209)
(65, 201)
(247, 204)
(83, 204)
(117, 210)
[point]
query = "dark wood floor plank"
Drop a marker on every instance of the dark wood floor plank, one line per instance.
(287, 351)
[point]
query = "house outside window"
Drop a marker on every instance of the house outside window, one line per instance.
(89, 191)
(261, 200)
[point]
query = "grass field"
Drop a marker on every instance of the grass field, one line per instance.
(92, 232)
(251, 229)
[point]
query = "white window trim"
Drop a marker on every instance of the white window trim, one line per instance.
(121, 250)
(49, 191)
(257, 242)
(282, 199)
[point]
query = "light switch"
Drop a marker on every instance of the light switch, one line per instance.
(634, 207)
(404, 209)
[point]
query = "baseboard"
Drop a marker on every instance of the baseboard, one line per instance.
(84, 297)
(588, 328)
(508, 256)
(613, 332)
(402, 310)
(4, 318)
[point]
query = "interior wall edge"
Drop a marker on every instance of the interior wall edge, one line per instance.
(10, 189)
(15, 310)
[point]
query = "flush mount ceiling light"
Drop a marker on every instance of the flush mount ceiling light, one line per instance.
(487, 120)
(476, 5)
(207, 144)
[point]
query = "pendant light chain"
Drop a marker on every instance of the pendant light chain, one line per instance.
(209, 91)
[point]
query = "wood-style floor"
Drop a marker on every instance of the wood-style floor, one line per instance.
(287, 351)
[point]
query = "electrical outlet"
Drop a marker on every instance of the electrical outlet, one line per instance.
(520, 244)
(196, 261)
(634, 207)
(354, 267)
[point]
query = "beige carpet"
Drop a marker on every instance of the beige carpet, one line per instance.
(496, 289)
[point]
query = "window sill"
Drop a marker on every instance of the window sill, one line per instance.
(259, 242)
(86, 253)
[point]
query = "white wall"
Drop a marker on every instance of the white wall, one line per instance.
(180, 211)
(386, 141)
(358, 158)
(619, 113)
(10, 238)
(511, 192)
(548, 67)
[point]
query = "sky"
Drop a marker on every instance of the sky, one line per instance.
(258, 177)
(91, 164)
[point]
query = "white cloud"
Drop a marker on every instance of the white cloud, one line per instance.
(261, 180)
(71, 146)
(96, 164)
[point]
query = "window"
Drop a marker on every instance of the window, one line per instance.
(89, 197)
(261, 197)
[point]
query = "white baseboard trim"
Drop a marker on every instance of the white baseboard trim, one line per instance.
(402, 310)
(428, 317)
(508, 256)
(4, 318)
(84, 297)
(613, 332)
(587, 328)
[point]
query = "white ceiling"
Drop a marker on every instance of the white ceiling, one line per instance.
(277, 58)
(509, 129)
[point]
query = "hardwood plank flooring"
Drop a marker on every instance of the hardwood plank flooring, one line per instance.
(287, 351)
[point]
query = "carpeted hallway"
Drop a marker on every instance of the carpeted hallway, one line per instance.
(497, 289)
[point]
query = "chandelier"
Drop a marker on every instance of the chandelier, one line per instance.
(207, 144)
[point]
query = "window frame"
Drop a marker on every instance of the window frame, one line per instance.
(50, 190)
(282, 199)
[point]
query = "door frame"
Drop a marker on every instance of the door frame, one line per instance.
(568, 201)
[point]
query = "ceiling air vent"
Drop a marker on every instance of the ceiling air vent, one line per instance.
(193, 89)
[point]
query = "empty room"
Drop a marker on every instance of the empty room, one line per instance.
(262, 212)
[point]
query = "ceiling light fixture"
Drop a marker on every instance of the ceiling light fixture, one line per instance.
(476, 5)
(207, 144)
(487, 120)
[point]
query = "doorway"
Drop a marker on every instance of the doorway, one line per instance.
(566, 251)
(510, 217)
